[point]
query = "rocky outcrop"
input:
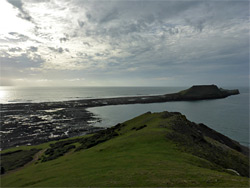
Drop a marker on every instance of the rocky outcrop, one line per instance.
(200, 92)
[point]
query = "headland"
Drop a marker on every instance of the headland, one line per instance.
(35, 123)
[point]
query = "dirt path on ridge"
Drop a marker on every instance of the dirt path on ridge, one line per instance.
(35, 158)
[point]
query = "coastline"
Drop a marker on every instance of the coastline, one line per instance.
(36, 123)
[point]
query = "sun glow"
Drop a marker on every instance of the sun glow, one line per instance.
(3, 94)
(12, 23)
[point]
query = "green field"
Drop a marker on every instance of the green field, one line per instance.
(146, 151)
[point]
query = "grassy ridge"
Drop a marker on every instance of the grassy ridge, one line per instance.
(16, 159)
(142, 154)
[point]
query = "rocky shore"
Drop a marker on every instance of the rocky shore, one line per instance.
(35, 123)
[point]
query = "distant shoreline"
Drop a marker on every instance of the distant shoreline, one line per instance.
(35, 123)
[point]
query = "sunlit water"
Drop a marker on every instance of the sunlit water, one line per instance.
(230, 116)
(50, 94)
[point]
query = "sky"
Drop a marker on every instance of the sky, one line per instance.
(124, 43)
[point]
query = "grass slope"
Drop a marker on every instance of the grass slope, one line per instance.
(143, 153)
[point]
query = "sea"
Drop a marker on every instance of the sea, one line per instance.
(229, 116)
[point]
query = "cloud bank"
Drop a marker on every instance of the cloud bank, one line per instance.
(125, 42)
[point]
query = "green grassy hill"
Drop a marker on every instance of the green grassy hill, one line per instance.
(152, 150)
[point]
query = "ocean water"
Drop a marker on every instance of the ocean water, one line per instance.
(229, 116)
(50, 94)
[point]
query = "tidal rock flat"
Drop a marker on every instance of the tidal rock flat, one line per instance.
(31, 124)
(35, 123)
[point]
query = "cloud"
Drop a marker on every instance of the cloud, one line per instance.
(57, 50)
(113, 14)
(32, 49)
(16, 49)
(17, 37)
(163, 78)
(19, 5)
(43, 80)
(75, 79)
(81, 23)
(64, 39)
(135, 39)
(87, 44)
(21, 61)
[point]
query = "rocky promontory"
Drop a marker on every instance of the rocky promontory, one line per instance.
(200, 92)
